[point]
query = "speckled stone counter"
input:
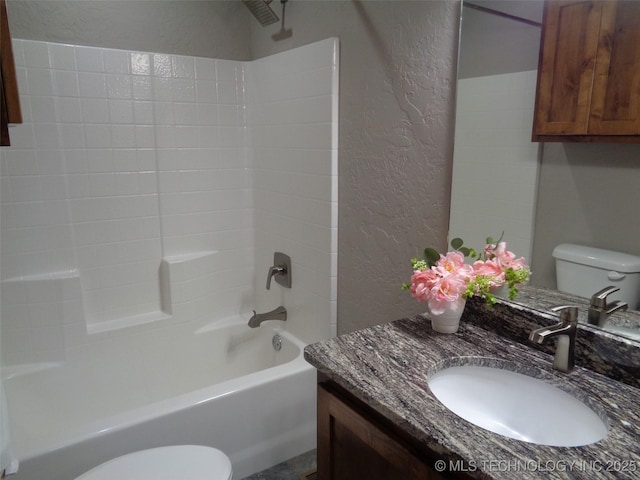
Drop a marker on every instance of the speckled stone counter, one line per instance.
(622, 322)
(387, 367)
(599, 350)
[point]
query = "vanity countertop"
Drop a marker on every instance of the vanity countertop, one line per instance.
(386, 367)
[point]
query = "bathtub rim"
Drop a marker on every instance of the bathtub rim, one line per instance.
(145, 413)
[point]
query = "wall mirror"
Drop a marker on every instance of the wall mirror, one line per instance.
(497, 168)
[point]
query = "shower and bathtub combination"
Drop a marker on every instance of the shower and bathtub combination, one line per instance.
(142, 202)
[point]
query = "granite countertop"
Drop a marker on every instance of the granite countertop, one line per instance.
(386, 367)
(623, 322)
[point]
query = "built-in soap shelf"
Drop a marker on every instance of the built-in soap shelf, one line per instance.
(126, 322)
(36, 277)
(42, 288)
(179, 275)
(185, 282)
(37, 308)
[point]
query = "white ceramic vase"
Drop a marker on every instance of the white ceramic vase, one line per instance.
(502, 291)
(447, 321)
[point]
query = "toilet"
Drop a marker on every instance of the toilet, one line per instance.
(186, 462)
(584, 271)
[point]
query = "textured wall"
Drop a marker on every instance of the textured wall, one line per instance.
(215, 29)
(396, 134)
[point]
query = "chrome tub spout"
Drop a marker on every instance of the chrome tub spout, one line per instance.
(279, 313)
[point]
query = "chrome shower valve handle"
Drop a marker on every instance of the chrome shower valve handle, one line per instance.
(281, 270)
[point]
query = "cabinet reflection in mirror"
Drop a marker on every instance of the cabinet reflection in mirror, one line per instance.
(540, 194)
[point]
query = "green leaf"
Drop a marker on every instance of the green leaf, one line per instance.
(456, 243)
(465, 251)
(431, 256)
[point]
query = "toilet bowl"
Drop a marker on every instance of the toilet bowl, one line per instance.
(184, 462)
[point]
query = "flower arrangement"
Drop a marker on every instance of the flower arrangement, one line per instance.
(446, 281)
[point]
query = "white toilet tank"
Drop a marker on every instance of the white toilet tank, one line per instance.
(584, 271)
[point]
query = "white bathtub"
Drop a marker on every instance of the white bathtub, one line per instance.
(223, 385)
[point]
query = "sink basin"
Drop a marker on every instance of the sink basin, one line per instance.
(517, 406)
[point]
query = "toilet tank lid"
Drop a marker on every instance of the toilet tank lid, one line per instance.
(598, 257)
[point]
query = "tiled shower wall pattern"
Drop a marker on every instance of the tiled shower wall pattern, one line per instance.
(294, 139)
(494, 118)
(126, 196)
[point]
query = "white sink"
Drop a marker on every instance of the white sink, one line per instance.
(517, 406)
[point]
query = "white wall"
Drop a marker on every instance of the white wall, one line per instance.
(495, 166)
(127, 196)
(294, 138)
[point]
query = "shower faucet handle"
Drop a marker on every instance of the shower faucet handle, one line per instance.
(281, 270)
(275, 270)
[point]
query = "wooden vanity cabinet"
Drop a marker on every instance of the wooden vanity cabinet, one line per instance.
(354, 442)
(9, 101)
(589, 72)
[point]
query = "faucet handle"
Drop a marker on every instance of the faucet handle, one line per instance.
(281, 269)
(568, 313)
(275, 270)
(599, 299)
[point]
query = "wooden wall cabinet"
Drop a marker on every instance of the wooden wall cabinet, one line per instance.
(589, 72)
(9, 99)
(354, 443)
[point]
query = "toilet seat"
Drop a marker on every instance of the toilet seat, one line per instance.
(186, 462)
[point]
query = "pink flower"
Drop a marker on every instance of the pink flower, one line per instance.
(444, 283)
(504, 257)
(422, 282)
(447, 293)
(490, 269)
(453, 263)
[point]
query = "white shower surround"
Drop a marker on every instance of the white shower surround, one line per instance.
(490, 107)
(229, 389)
(146, 188)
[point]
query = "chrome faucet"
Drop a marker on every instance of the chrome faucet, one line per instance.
(599, 310)
(566, 333)
(279, 313)
(281, 269)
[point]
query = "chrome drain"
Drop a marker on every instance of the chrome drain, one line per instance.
(276, 341)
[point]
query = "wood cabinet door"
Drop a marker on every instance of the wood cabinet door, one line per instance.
(615, 106)
(351, 446)
(9, 99)
(566, 68)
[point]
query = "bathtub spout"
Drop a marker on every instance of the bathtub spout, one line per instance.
(279, 313)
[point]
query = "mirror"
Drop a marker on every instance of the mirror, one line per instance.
(497, 69)
(498, 170)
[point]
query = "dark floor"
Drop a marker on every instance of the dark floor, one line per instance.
(297, 468)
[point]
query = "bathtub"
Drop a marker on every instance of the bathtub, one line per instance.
(223, 385)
